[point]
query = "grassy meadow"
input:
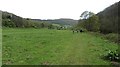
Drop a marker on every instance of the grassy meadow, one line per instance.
(53, 47)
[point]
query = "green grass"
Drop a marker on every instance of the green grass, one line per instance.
(60, 47)
(0, 46)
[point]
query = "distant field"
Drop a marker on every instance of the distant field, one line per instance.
(49, 47)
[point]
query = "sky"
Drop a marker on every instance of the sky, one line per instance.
(53, 9)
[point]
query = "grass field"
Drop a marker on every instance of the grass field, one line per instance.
(0, 46)
(49, 47)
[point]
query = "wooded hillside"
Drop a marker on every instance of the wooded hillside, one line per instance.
(108, 19)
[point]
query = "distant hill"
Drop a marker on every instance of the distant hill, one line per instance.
(12, 20)
(62, 21)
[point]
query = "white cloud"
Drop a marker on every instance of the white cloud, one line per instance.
(53, 9)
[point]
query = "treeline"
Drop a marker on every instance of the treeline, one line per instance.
(109, 19)
(104, 22)
(89, 21)
(61, 21)
(11, 20)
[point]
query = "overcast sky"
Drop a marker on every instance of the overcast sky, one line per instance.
(53, 9)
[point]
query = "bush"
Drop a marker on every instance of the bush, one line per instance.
(8, 23)
(113, 56)
(112, 37)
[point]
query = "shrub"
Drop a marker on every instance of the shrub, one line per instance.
(113, 56)
(112, 37)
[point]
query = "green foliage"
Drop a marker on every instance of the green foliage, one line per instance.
(113, 37)
(105, 21)
(86, 14)
(91, 23)
(113, 56)
(8, 23)
(11, 20)
(62, 21)
(50, 26)
(109, 19)
(42, 25)
(18, 21)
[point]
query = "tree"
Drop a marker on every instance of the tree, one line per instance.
(89, 21)
(93, 23)
(42, 25)
(109, 18)
(50, 26)
(86, 15)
